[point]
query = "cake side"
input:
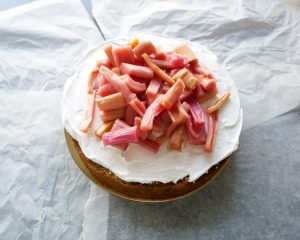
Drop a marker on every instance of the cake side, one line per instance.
(155, 191)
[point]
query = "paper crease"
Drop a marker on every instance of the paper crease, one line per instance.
(257, 42)
(43, 193)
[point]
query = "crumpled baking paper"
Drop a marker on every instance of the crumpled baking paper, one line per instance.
(257, 197)
(43, 194)
(257, 41)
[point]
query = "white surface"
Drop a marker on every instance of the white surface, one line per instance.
(258, 41)
(4, 5)
(43, 194)
(137, 164)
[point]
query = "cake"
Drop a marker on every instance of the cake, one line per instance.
(137, 173)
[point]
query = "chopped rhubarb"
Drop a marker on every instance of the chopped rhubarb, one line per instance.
(190, 81)
(92, 81)
(108, 51)
(185, 106)
(111, 102)
(147, 96)
(149, 144)
(199, 92)
(142, 97)
(137, 122)
(165, 117)
(134, 86)
(208, 95)
(154, 135)
(134, 42)
(153, 87)
(117, 83)
(160, 126)
(163, 63)
(173, 94)
(121, 136)
(144, 47)
(116, 70)
(152, 111)
(106, 89)
(137, 71)
(96, 80)
(161, 139)
(122, 54)
(112, 115)
(197, 113)
(180, 73)
(173, 72)
(196, 136)
(160, 73)
(199, 68)
(157, 125)
(129, 116)
(138, 107)
(105, 127)
(89, 113)
(220, 102)
(149, 100)
(176, 138)
(212, 129)
(177, 113)
(164, 88)
(185, 51)
(141, 80)
(207, 83)
(186, 94)
(103, 62)
(118, 124)
(101, 79)
(178, 61)
(160, 53)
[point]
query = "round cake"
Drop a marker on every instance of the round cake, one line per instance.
(137, 173)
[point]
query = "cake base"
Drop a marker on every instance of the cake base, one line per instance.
(152, 192)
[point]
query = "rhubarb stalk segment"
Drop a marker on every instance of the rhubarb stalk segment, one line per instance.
(150, 97)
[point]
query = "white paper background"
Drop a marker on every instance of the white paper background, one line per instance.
(258, 41)
(43, 194)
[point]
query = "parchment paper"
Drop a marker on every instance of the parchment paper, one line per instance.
(43, 194)
(257, 197)
(258, 41)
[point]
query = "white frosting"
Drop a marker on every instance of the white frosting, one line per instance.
(137, 164)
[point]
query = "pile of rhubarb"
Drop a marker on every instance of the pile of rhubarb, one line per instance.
(148, 96)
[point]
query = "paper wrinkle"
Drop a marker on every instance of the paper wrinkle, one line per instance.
(96, 214)
(43, 194)
(42, 191)
(56, 43)
(257, 42)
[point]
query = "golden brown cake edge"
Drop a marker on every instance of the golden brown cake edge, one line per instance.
(152, 192)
